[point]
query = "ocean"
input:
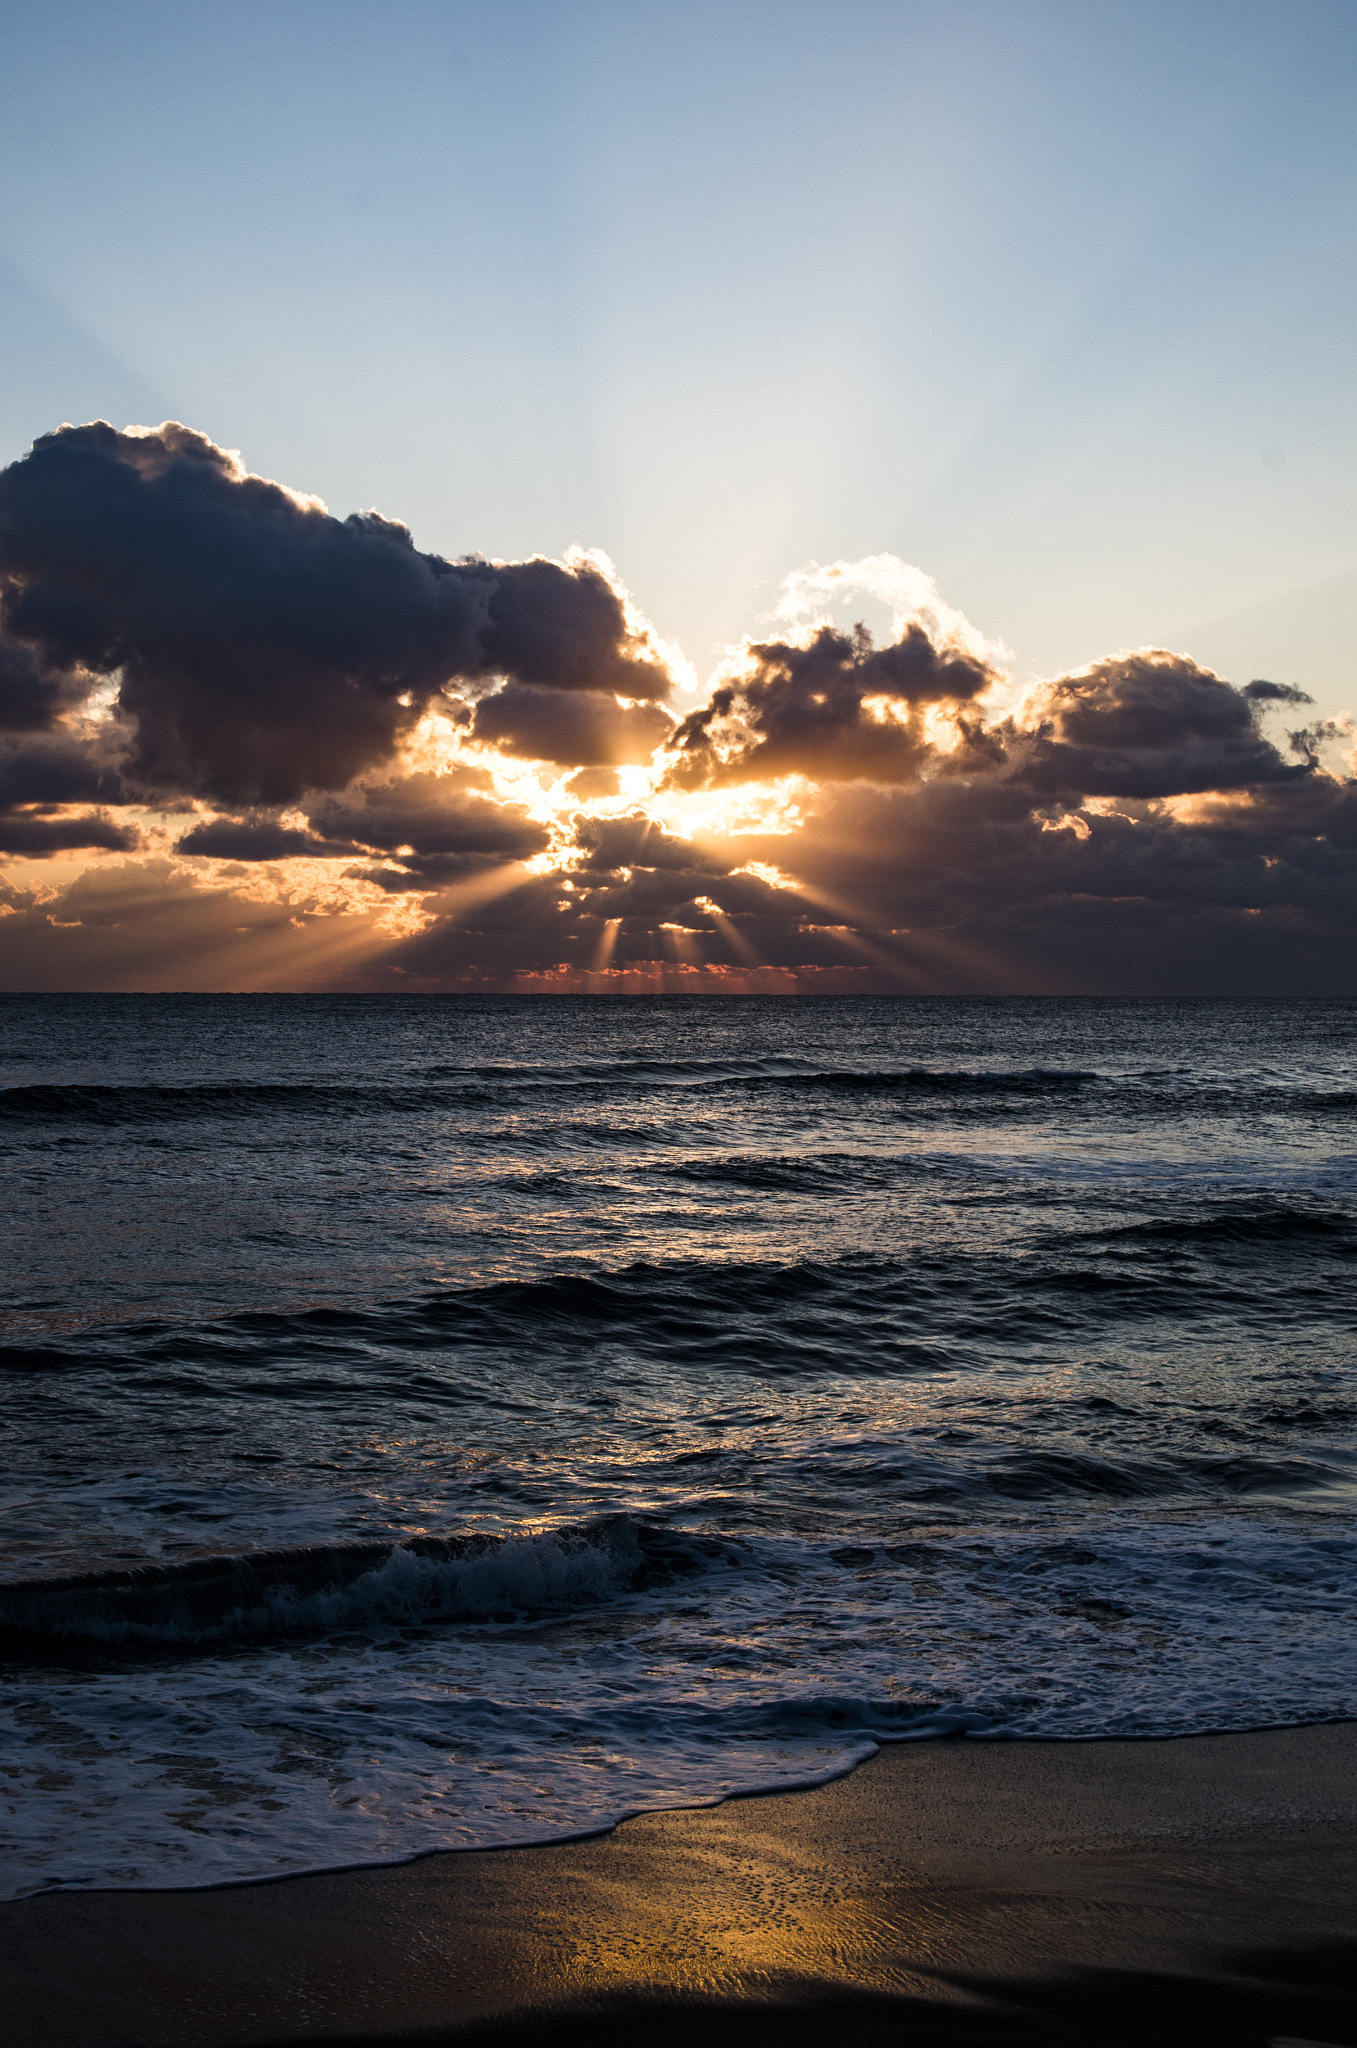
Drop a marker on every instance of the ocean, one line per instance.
(437, 1422)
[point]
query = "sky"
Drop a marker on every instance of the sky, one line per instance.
(1038, 320)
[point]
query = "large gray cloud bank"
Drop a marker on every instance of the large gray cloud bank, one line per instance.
(264, 648)
(178, 635)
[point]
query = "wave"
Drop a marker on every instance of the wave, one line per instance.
(446, 1089)
(783, 1174)
(1066, 1475)
(975, 1479)
(113, 1103)
(939, 1308)
(360, 1587)
(1274, 1224)
(808, 1315)
(325, 1587)
(770, 1070)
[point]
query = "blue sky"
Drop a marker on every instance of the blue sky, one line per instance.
(1055, 301)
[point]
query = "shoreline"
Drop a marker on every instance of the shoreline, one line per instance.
(788, 1789)
(944, 1889)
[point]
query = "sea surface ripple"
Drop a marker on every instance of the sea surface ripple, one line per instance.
(436, 1422)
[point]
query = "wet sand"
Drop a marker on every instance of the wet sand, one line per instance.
(953, 1892)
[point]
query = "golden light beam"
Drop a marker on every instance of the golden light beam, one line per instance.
(607, 946)
(735, 939)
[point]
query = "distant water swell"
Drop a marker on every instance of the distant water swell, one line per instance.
(919, 1092)
(1256, 1262)
(455, 1089)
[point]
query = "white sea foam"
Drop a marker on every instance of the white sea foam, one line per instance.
(781, 1665)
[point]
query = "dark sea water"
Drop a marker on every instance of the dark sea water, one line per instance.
(434, 1422)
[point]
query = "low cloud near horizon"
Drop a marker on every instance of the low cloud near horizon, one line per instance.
(245, 744)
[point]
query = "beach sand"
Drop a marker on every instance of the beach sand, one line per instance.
(954, 1892)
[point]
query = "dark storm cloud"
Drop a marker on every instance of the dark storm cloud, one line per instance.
(37, 835)
(434, 824)
(967, 885)
(805, 710)
(955, 846)
(1132, 832)
(32, 693)
(627, 892)
(1133, 829)
(605, 845)
(1261, 691)
(152, 924)
(264, 647)
(961, 883)
(431, 817)
(38, 777)
(584, 729)
(257, 837)
(55, 770)
(1150, 724)
(1137, 826)
(562, 630)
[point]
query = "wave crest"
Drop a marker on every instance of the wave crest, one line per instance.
(321, 1588)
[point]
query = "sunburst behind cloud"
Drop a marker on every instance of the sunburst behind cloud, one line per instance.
(248, 744)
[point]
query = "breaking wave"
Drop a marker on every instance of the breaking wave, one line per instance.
(323, 1587)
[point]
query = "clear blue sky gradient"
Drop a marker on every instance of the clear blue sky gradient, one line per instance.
(1056, 301)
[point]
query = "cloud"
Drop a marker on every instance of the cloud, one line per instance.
(1148, 724)
(154, 924)
(591, 783)
(381, 769)
(36, 835)
(258, 837)
(433, 825)
(38, 779)
(583, 729)
(263, 647)
(808, 595)
(56, 770)
(1263, 692)
(566, 629)
(633, 840)
(32, 692)
(838, 709)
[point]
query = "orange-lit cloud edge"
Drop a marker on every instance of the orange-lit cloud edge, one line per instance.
(569, 810)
